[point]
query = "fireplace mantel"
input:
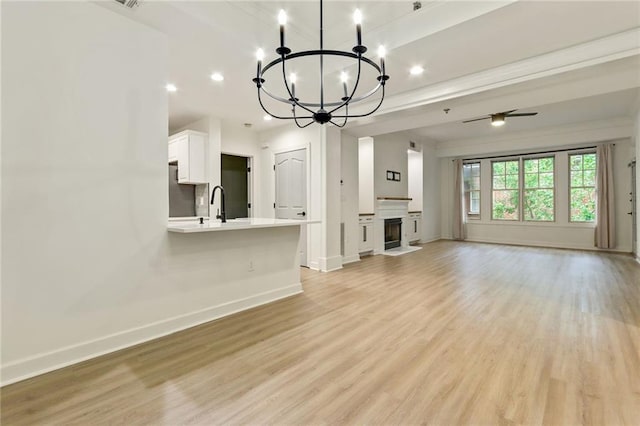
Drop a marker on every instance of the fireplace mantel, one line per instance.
(395, 199)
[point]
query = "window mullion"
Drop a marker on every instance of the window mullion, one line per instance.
(521, 188)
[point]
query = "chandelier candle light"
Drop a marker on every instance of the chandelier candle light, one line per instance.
(322, 112)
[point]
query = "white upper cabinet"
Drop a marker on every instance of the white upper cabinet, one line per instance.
(187, 148)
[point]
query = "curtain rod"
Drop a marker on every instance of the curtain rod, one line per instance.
(530, 153)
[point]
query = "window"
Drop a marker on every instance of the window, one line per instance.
(471, 174)
(506, 190)
(538, 202)
(582, 190)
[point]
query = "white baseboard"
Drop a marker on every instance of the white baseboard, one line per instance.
(546, 244)
(350, 259)
(329, 264)
(430, 239)
(49, 361)
(314, 265)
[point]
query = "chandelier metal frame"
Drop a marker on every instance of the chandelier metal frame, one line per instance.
(326, 112)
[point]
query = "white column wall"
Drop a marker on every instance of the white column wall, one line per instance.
(431, 215)
(366, 176)
(415, 179)
(349, 197)
(446, 197)
(330, 258)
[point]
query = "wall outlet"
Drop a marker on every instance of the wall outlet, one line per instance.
(250, 269)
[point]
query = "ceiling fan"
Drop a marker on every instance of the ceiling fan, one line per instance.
(498, 118)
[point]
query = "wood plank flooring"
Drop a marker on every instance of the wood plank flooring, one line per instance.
(456, 333)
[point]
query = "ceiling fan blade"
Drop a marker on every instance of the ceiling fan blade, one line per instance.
(522, 114)
(507, 112)
(477, 119)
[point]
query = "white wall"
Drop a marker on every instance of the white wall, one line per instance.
(366, 176)
(446, 197)
(331, 258)
(349, 197)
(431, 199)
(561, 233)
(390, 153)
(414, 180)
(93, 268)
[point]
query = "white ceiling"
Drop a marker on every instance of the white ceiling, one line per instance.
(449, 38)
(610, 105)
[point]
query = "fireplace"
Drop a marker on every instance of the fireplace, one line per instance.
(392, 233)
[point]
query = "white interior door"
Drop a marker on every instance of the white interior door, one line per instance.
(291, 192)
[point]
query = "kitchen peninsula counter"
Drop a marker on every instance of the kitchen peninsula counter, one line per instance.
(189, 227)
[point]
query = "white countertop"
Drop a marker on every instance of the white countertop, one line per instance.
(189, 227)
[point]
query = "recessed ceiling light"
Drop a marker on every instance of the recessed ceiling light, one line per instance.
(416, 70)
(267, 117)
(216, 76)
(171, 87)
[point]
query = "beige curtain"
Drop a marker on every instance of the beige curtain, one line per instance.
(605, 211)
(459, 229)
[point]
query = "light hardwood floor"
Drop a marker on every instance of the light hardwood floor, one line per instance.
(456, 333)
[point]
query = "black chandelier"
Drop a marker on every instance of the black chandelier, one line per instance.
(322, 112)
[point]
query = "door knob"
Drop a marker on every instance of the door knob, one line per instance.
(302, 214)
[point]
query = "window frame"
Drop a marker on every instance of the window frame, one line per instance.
(523, 158)
(570, 186)
(520, 184)
(469, 214)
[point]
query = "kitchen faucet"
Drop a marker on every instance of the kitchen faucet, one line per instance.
(223, 214)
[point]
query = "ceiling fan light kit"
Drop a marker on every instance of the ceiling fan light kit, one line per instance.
(321, 112)
(499, 118)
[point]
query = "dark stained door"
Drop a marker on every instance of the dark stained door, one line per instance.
(234, 178)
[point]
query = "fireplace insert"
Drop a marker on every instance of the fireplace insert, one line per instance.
(392, 233)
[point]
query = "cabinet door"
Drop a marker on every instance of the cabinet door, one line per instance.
(366, 238)
(188, 150)
(182, 155)
(414, 230)
(196, 160)
(173, 152)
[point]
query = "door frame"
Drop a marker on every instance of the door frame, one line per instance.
(250, 178)
(633, 165)
(304, 233)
